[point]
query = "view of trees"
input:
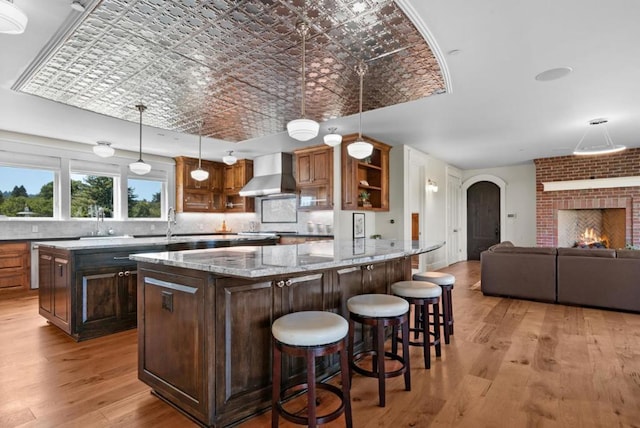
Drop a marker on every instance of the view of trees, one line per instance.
(86, 195)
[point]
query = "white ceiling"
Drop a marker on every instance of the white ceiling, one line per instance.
(496, 113)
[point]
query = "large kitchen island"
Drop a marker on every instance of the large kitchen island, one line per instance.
(204, 316)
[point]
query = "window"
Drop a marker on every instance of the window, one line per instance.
(144, 198)
(90, 195)
(26, 192)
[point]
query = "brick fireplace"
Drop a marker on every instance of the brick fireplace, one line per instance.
(566, 168)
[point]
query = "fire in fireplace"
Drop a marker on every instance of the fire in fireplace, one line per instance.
(591, 239)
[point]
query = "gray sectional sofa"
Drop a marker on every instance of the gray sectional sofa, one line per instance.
(602, 278)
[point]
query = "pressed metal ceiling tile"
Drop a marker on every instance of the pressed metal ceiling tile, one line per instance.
(236, 64)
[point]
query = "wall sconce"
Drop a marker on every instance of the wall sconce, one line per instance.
(431, 186)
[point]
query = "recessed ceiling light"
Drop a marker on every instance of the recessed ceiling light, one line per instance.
(553, 74)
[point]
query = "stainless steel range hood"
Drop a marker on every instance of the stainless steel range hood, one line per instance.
(273, 175)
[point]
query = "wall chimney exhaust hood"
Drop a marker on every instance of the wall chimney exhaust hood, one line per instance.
(273, 175)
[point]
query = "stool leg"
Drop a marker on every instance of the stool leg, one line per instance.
(436, 329)
(450, 310)
(446, 314)
(426, 339)
(311, 390)
(394, 339)
(346, 386)
(352, 335)
(380, 359)
(276, 371)
(405, 355)
(417, 317)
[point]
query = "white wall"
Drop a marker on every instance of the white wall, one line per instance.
(520, 201)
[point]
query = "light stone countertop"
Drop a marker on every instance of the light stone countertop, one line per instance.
(263, 261)
(124, 242)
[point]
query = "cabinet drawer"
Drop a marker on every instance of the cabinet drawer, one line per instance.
(12, 261)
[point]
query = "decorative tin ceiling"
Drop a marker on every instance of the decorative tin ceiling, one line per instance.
(235, 63)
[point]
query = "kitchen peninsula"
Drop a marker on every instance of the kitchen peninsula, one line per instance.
(87, 287)
(204, 316)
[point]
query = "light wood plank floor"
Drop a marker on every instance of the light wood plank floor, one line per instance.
(511, 363)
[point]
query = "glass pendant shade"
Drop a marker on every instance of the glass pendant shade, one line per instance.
(303, 129)
(229, 159)
(12, 19)
(140, 167)
(332, 139)
(200, 174)
(360, 149)
(103, 149)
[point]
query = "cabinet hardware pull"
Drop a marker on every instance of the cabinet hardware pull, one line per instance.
(120, 274)
(127, 273)
(121, 258)
(280, 284)
(288, 283)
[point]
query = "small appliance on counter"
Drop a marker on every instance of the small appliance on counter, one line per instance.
(223, 227)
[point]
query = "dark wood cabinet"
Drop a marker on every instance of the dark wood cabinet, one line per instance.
(219, 192)
(54, 292)
(368, 176)
(14, 265)
(108, 300)
(205, 341)
(314, 177)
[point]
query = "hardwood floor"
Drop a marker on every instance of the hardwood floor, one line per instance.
(511, 363)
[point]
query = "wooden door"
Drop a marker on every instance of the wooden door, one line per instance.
(483, 218)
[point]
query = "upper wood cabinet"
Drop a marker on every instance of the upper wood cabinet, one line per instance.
(370, 175)
(219, 192)
(314, 177)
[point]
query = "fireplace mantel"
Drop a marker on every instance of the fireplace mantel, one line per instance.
(596, 183)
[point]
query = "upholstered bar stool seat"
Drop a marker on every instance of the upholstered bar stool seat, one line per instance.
(380, 311)
(421, 294)
(446, 281)
(310, 334)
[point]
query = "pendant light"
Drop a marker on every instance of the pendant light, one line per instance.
(303, 129)
(332, 139)
(599, 148)
(12, 19)
(229, 159)
(140, 167)
(200, 174)
(103, 149)
(360, 149)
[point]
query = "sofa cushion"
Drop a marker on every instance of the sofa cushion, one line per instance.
(527, 250)
(503, 244)
(628, 254)
(587, 252)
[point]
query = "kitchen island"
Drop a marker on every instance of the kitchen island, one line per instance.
(204, 316)
(87, 287)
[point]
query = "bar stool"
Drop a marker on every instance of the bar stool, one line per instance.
(310, 334)
(421, 294)
(446, 281)
(380, 311)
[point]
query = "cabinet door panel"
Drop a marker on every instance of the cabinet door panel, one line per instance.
(99, 297)
(129, 295)
(303, 169)
(197, 200)
(174, 340)
(45, 275)
(321, 167)
(244, 319)
(61, 290)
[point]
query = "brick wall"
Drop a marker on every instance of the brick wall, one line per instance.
(624, 164)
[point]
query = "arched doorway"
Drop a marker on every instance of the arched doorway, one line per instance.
(483, 218)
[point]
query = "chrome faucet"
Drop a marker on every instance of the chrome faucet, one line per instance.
(99, 218)
(171, 219)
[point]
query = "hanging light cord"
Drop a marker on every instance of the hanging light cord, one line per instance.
(303, 30)
(141, 108)
(361, 69)
(200, 145)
